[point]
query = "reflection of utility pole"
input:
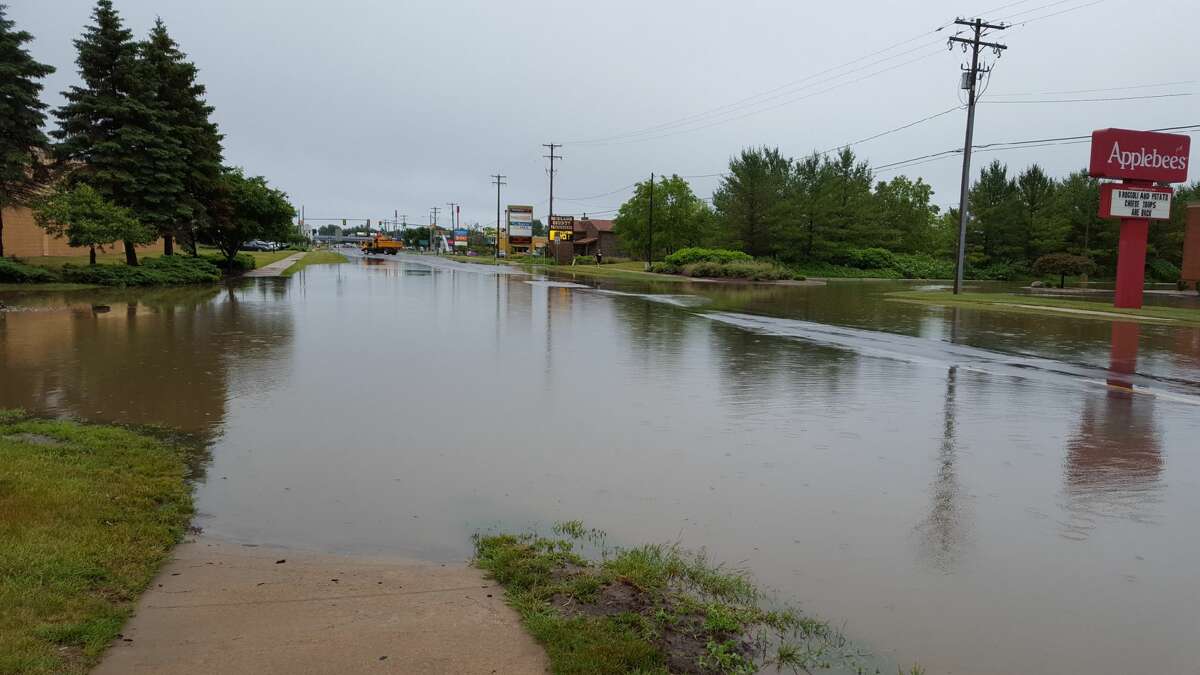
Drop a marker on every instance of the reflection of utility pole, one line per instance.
(498, 181)
(971, 79)
(550, 217)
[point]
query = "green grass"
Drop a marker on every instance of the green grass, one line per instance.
(87, 515)
(261, 258)
(1006, 301)
(632, 271)
(321, 257)
(650, 609)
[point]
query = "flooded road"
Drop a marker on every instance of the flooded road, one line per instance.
(962, 489)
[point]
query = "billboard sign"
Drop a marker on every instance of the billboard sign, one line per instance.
(520, 224)
(1140, 155)
(1126, 201)
(460, 238)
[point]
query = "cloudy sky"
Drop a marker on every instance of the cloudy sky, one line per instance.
(364, 108)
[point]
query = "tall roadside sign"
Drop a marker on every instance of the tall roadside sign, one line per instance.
(520, 226)
(1146, 162)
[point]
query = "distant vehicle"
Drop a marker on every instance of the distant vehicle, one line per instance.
(381, 243)
(256, 245)
(472, 253)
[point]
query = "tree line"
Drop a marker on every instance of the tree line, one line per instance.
(830, 209)
(135, 156)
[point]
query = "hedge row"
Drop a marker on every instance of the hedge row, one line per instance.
(13, 272)
(165, 271)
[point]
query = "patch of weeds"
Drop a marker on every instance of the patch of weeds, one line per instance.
(651, 609)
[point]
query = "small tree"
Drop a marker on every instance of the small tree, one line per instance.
(86, 218)
(1063, 264)
(245, 209)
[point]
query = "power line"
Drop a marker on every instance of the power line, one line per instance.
(892, 131)
(1093, 91)
(1096, 100)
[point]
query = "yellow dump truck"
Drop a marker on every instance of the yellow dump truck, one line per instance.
(381, 243)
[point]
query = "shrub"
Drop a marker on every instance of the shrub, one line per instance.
(997, 271)
(664, 268)
(687, 256)
(752, 270)
(871, 259)
(1162, 270)
(1062, 264)
(168, 270)
(13, 272)
(242, 262)
(919, 266)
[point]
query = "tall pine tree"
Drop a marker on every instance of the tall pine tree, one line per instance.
(21, 118)
(180, 99)
(114, 134)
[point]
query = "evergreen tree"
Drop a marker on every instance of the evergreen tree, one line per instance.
(21, 118)
(752, 197)
(113, 134)
(180, 99)
(993, 232)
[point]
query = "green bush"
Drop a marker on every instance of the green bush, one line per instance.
(997, 271)
(829, 270)
(687, 256)
(664, 268)
(918, 266)
(13, 272)
(871, 259)
(752, 270)
(1162, 270)
(242, 262)
(165, 271)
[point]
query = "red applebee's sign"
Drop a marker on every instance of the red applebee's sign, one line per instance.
(1140, 155)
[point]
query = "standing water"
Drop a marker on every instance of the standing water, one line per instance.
(961, 489)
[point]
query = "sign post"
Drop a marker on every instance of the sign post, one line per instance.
(1140, 159)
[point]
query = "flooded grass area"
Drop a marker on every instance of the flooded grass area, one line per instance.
(87, 515)
(652, 609)
(971, 490)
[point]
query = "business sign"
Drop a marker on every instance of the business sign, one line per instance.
(520, 224)
(1124, 201)
(562, 223)
(460, 238)
(1140, 155)
(561, 235)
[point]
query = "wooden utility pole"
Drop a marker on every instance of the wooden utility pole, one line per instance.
(550, 217)
(498, 180)
(971, 80)
(650, 227)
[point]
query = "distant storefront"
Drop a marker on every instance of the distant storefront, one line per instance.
(595, 236)
(24, 239)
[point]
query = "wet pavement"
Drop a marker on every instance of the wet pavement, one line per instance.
(976, 491)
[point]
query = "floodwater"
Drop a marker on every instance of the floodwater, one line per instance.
(978, 492)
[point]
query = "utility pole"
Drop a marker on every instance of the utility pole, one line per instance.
(433, 230)
(550, 217)
(498, 180)
(453, 224)
(650, 227)
(979, 29)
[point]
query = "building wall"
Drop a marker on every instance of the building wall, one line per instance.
(24, 239)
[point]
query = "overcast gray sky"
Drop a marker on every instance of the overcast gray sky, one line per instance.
(359, 108)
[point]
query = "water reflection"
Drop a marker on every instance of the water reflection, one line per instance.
(169, 356)
(1114, 459)
(944, 530)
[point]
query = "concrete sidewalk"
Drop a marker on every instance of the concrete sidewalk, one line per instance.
(219, 607)
(276, 268)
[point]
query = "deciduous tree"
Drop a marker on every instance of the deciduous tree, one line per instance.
(247, 208)
(86, 218)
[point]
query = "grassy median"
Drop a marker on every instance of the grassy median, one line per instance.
(652, 609)
(87, 515)
(1065, 307)
(321, 257)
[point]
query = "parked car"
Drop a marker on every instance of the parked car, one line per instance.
(256, 245)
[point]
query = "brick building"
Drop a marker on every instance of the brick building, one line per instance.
(592, 236)
(24, 239)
